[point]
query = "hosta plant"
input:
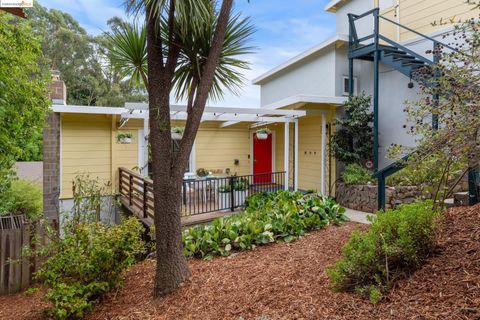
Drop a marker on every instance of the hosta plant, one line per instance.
(268, 217)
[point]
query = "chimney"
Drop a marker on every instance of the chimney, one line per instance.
(58, 90)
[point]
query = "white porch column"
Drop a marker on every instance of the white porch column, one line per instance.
(146, 134)
(295, 157)
(323, 152)
(286, 150)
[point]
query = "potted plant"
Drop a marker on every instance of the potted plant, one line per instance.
(177, 133)
(262, 134)
(124, 137)
(240, 191)
(224, 198)
(202, 172)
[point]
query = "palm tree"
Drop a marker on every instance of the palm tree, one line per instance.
(127, 51)
(194, 48)
(127, 48)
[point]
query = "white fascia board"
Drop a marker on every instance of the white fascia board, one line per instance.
(223, 110)
(333, 5)
(228, 124)
(179, 113)
(302, 56)
(304, 99)
(230, 117)
(88, 109)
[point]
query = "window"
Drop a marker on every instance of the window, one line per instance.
(346, 85)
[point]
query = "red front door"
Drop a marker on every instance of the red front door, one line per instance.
(262, 159)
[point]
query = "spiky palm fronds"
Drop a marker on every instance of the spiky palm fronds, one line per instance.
(127, 48)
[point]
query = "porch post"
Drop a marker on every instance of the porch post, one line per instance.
(146, 135)
(295, 157)
(286, 150)
(323, 152)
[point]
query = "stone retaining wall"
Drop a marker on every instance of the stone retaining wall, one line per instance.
(364, 197)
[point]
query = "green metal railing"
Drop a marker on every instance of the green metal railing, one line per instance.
(356, 43)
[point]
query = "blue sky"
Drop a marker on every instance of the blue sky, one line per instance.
(284, 29)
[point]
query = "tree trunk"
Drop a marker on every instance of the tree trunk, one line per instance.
(172, 268)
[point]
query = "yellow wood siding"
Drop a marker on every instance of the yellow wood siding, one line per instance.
(387, 28)
(217, 148)
(419, 15)
(89, 146)
(124, 155)
(309, 152)
(85, 148)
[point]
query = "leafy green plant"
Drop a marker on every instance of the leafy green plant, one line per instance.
(202, 172)
(179, 130)
(268, 217)
(225, 188)
(397, 243)
(356, 174)
(87, 197)
(87, 261)
(24, 100)
(23, 197)
(240, 184)
(31, 291)
(121, 136)
(353, 142)
(264, 130)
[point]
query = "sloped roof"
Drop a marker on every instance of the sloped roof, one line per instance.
(334, 5)
(299, 58)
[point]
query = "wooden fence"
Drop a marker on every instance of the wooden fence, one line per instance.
(16, 271)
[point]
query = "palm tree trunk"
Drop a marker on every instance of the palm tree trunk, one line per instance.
(168, 169)
(172, 268)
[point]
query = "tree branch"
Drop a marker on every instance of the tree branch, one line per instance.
(208, 73)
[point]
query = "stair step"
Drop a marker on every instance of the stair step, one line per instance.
(461, 198)
(404, 58)
(449, 203)
(396, 55)
(413, 63)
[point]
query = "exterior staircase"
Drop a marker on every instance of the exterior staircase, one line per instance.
(376, 47)
(406, 63)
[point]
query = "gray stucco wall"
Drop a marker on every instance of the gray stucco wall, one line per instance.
(306, 78)
(364, 25)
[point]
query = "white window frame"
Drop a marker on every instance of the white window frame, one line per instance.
(355, 85)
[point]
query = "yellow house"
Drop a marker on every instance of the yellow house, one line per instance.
(89, 142)
(299, 102)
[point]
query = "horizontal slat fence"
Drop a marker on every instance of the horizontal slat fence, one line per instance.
(198, 196)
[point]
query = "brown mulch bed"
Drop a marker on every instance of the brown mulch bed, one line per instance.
(288, 281)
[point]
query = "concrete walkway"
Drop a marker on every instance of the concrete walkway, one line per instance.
(358, 216)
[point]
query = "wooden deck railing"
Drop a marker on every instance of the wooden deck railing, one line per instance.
(136, 194)
(199, 196)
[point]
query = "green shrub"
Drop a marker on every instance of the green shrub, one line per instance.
(427, 173)
(22, 197)
(356, 174)
(396, 244)
(268, 217)
(86, 262)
